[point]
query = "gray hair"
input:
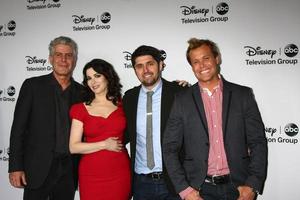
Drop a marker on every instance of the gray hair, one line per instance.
(66, 41)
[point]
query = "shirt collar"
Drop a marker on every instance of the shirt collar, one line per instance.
(218, 86)
(56, 83)
(155, 89)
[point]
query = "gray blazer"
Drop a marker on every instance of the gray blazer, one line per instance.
(243, 131)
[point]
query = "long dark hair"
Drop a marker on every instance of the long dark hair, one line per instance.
(113, 81)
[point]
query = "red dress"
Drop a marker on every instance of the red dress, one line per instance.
(103, 175)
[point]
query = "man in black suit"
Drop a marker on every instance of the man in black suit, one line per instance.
(39, 158)
(149, 183)
(218, 126)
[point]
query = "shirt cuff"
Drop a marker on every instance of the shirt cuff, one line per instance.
(185, 192)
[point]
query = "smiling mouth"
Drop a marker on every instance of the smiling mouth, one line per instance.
(95, 87)
(147, 76)
(205, 71)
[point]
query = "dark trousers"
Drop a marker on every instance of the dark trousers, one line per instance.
(59, 185)
(219, 192)
(146, 188)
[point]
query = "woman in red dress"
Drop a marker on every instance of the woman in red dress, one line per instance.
(104, 169)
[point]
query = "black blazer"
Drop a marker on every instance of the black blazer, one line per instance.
(244, 138)
(130, 101)
(32, 138)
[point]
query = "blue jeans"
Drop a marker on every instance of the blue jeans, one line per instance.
(146, 188)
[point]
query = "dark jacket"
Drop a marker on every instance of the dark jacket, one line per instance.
(32, 138)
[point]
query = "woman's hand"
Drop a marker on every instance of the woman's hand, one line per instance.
(113, 144)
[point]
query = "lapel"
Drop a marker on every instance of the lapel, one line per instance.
(167, 95)
(50, 83)
(75, 92)
(199, 105)
(133, 111)
(227, 93)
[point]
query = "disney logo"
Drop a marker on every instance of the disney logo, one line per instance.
(127, 55)
(270, 130)
(192, 10)
(251, 51)
(31, 1)
(82, 19)
(33, 60)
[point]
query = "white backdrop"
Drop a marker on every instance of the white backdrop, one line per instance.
(259, 42)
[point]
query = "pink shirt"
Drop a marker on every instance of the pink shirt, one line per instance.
(212, 100)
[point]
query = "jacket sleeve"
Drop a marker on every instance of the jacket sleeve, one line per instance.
(172, 145)
(257, 144)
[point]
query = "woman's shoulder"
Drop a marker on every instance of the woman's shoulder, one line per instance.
(77, 108)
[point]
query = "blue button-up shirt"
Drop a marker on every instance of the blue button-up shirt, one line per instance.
(141, 155)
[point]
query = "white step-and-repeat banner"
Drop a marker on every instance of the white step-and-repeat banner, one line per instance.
(259, 42)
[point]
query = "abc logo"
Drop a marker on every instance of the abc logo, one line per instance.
(11, 91)
(55, 1)
(11, 25)
(222, 8)
(105, 17)
(163, 55)
(291, 129)
(291, 50)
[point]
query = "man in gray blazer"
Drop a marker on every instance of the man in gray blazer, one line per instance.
(218, 126)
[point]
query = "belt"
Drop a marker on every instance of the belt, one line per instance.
(217, 180)
(154, 175)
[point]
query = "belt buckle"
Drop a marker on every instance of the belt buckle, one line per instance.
(213, 179)
(155, 176)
